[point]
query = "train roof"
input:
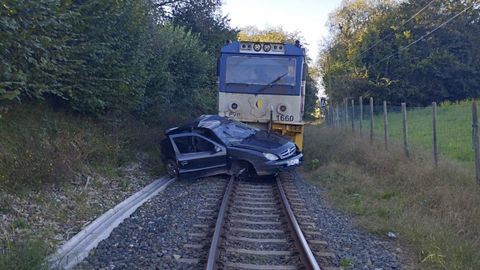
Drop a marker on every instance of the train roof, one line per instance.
(286, 49)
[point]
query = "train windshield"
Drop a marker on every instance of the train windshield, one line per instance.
(255, 70)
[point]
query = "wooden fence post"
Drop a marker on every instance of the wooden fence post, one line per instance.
(337, 117)
(360, 101)
(405, 130)
(371, 120)
(330, 109)
(475, 140)
(385, 124)
(435, 138)
(341, 111)
(330, 112)
(353, 115)
(327, 116)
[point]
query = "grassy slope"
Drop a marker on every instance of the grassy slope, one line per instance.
(434, 211)
(454, 126)
(45, 159)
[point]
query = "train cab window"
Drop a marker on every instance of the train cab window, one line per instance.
(193, 144)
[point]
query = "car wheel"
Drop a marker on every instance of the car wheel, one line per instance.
(244, 170)
(172, 168)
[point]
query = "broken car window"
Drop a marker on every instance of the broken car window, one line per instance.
(234, 132)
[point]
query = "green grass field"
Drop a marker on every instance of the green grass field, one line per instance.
(434, 209)
(454, 127)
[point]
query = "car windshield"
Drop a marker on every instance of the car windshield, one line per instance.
(254, 70)
(234, 132)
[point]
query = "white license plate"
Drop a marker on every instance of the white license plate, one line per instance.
(293, 162)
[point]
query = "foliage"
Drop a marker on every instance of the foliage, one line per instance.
(96, 57)
(371, 52)
(29, 49)
(204, 17)
(271, 34)
(182, 66)
(311, 92)
(106, 66)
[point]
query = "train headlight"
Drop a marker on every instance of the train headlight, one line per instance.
(257, 47)
(233, 106)
(267, 47)
(270, 156)
(282, 108)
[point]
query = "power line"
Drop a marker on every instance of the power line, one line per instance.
(425, 35)
(403, 24)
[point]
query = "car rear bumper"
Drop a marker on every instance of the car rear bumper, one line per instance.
(276, 166)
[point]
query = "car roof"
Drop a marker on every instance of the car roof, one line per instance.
(202, 122)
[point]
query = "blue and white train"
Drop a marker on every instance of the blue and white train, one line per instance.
(263, 84)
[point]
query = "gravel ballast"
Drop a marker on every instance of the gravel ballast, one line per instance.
(363, 250)
(155, 235)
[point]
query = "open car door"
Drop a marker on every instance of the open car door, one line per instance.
(198, 156)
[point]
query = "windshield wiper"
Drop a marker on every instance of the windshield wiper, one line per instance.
(272, 82)
(239, 83)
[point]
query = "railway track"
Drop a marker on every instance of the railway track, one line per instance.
(257, 228)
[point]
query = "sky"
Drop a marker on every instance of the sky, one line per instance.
(307, 16)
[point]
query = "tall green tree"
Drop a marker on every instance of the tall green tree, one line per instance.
(205, 18)
(179, 76)
(32, 43)
(375, 54)
(97, 56)
(107, 57)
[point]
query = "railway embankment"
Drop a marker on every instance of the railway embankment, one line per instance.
(431, 211)
(58, 172)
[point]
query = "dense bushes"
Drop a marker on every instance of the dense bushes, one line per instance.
(100, 56)
(183, 67)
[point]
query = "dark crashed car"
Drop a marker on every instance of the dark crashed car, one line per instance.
(213, 145)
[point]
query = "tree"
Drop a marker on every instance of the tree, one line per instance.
(97, 56)
(389, 51)
(204, 17)
(107, 57)
(272, 34)
(180, 76)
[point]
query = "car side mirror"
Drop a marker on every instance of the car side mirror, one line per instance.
(217, 149)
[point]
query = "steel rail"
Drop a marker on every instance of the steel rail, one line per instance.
(214, 247)
(306, 254)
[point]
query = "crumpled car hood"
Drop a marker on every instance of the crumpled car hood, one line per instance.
(265, 142)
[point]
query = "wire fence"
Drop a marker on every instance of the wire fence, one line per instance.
(448, 129)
